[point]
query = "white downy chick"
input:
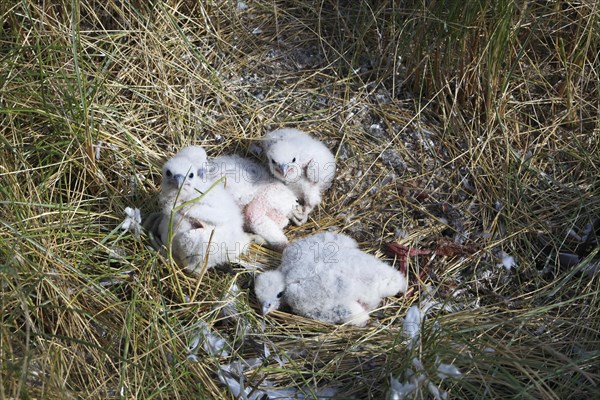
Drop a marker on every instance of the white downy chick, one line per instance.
(209, 228)
(270, 211)
(326, 277)
(181, 174)
(267, 203)
(185, 179)
(303, 163)
(196, 249)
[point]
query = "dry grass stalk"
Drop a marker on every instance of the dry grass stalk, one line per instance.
(468, 123)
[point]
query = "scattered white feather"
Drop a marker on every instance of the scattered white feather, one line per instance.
(102, 145)
(235, 385)
(498, 205)
(448, 371)
(399, 390)
(98, 147)
(212, 344)
(266, 351)
(508, 261)
(587, 231)
(232, 376)
(279, 359)
(592, 268)
(304, 393)
(574, 235)
(193, 358)
(417, 364)
(132, 221)
(229, 309)
(417, 378)
(436, 392)
(412, 325)
(429, 302)
(401, 233)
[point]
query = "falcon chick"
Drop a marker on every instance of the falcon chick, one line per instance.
(203, 222)
(303, 163)
(181, 174)
(267, 204)
(270, 211)
(326, 277)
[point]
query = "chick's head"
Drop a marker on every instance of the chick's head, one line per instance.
(178, 173)
(187, 168)
(269, 288)
(284, 160)
(196, 154)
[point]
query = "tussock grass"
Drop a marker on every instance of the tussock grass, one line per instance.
(470, 123)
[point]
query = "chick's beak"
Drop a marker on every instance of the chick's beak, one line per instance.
(268, 307)
(282, 169)
(179, 179)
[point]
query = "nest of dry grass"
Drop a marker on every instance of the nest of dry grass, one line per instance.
(470, 131)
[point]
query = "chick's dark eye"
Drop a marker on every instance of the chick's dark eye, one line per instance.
(273, 161)
(191, 175)
(169, 173)
(294, 159)
(279, 295)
